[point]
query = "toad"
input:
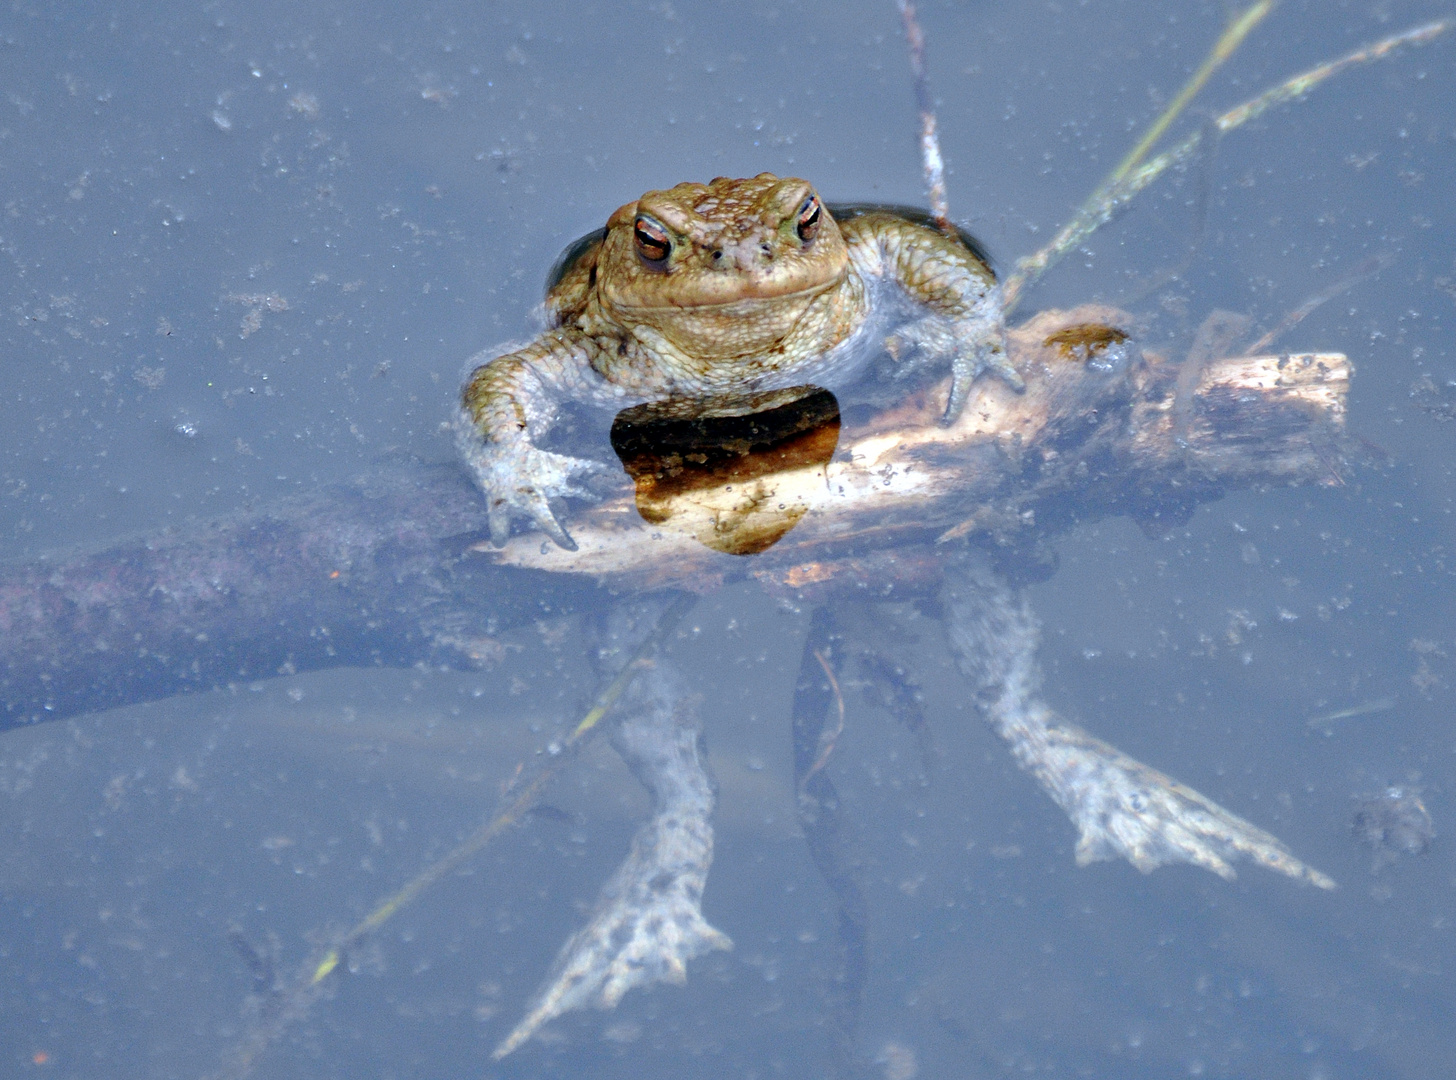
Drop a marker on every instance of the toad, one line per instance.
(735, 289)
(731, 287)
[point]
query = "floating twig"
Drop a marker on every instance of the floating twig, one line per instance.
(1224, 48)
(1372, 265)
(1326, 721)
(1101, 204)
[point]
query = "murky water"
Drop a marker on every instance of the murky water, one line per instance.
(251, 247)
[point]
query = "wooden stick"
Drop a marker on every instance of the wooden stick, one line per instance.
(930, 157)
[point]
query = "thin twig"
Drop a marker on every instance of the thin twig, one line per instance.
(929, 140)
(827, 740)
(1369, 266)
(1095, 211)
(288, 1005)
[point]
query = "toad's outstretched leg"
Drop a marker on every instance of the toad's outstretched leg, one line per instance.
(648, 922)
(831, 836)
(1120, 806)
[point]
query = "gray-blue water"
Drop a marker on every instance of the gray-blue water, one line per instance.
(247, 248)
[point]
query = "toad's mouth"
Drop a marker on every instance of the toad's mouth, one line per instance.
(743, 294)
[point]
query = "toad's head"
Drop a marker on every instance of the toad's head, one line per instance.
(721, 270)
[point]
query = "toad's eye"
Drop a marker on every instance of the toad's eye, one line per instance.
(653, 243)
(809, 214)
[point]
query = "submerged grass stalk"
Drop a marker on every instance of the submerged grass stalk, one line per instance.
(1133, 175)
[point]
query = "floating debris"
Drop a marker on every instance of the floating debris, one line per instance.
(1326, 721)
(1394, 823)
(1437, 400)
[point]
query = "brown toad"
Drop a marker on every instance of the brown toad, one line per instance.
(733, 287)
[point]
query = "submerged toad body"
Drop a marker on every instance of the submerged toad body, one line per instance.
(733, 287)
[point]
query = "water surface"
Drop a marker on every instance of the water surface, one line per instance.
(250, 249)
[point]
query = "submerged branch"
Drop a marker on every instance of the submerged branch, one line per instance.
(388, 570)
(377, 572)
(360, 574)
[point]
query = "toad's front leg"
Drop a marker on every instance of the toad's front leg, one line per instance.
(963, 320)
(510, 402)
(1121, 807)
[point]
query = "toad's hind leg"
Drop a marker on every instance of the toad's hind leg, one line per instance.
(648, 921)
(1121, 807)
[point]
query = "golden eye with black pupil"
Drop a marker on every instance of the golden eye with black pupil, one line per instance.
(809, 214)
(653, 243)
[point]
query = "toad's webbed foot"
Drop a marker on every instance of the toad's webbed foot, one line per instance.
(1124, 809)
(982, 349)
(972, 347)
(648, 921)
(518, 479)
(1121, 807)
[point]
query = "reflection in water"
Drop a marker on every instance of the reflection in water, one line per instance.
(713, 467)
